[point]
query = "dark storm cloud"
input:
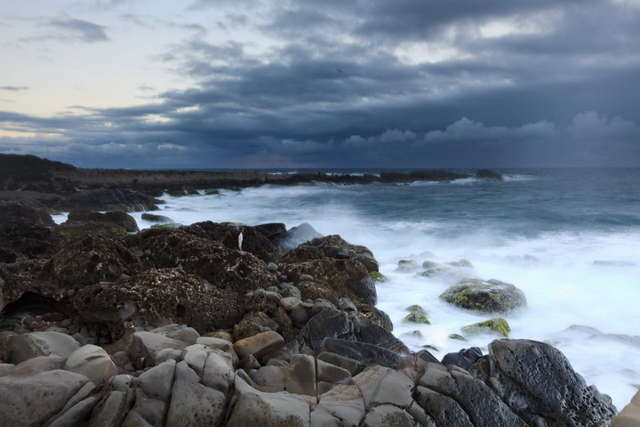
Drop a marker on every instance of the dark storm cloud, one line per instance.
(78, 29)
(557, 87)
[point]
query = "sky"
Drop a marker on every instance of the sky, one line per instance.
(332, 83)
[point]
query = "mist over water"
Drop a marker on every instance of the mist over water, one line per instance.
(569, 239)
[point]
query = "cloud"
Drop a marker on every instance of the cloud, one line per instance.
(78, 29)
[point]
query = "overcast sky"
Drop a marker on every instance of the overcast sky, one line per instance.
(331, 83)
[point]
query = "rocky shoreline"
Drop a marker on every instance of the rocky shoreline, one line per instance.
(227, 324)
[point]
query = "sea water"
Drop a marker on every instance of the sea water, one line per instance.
(568, 238)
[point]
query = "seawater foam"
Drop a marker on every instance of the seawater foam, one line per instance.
(556, 271)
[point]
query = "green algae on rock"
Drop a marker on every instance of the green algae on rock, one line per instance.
(497, 325)
(486, 296)
(417, 315)
(378, 277)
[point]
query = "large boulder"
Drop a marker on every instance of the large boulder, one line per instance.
(92, 362)
(538, 383)
(158, 296)
(25, 231)
(34, 344)
(332, 246)
(114, 224)
(486, 296)
(296, 236)
(332, 279)
(29, 401)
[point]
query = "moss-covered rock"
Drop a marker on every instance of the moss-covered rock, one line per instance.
(486, 296)
(457, 337)
(156, 218)
(166, 225)
(497, 325)
(378, 277)
(407, 265)
(417, 315)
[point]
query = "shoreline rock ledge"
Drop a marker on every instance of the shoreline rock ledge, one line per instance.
(182, 327)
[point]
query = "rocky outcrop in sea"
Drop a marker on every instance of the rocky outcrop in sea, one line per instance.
(218, 324)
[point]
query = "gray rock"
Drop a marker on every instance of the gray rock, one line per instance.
(341, 406)
(297, 236)
(196, 356)
(146, 347)
(539, 384)
(193, 404)
(381, 385)
(301, 375)
(5, 368)
(146, 411)
(218, 371)
(75, 415)
(327, 323)
(271, 378)
(485, 296)
(479, 402)
(34, 344)
(255, 408)
(111, 411)
(157, 381)
(351, 365)
(442, 409)
(367, 354)
(38, 364)
(388, 416)
(92, 362)
(331, 373)
(182, 333)
(32, 400)
(421, 417)
(463, 358)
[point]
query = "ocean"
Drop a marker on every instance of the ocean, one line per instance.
(568, 238)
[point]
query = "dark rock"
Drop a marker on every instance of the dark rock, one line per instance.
(117, 218)
(109, 199)
(328, 323)
(488, 174)
(539, 384)
(367, 354)
(463, 358)
(272, 230)
(156, 218)
(332, 247)
(12, 213)
(443, 409)
(296, 236)
(426, 356)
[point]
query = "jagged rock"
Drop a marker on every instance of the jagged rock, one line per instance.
(29, 401)
(486, 296)
(370, 333)
(27, 346)
(225, 268)
(343, 405)
(92, 362)
(272, 230)
(332, 247)
(253, 407)
(108, 199)
(463, 358)
(539, 384)
(110, 412)
(330, 373)
(157, 381)
(91, 260)
(75, 415)
(481, 405)
(381, 385)
(368, 354)
(157, 296)
(192, 403)
(388, 415)
(353, 366)
(296, 236)
(444, 410)
(259, 345)
(332, 279)
(328, 323)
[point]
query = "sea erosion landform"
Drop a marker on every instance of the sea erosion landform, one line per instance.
(229, 324)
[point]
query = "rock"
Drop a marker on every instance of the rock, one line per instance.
(331, 373)
(407, 265)
(218, 371)
(92, 362)
(108, 199)
(259, 345)
(497, 325)
(488, 174)
(296, 236)
(343, 405)
(75, 415)
(157, 381)
(157, 296)
(417, 315)
(481, 405)
(630, 414)
(378, 277)
(463, 358)
(145, 348)
(388, 415)
(32, 400)
(426, 356)
(37, 365)
(457, 337)
(272, 230)
(110, 412)
(27, 346)
(444, 410)
(300, 377)
(370, 333)
(332, 247)
(119, 219)
(255, 408)
(489, 296)
(368, 354)
(328, 323)
(381, 385)
(192, 403)
(156, 218)
(539, 384)
(252, 324)
(12, 213)
(182, 333)
(348, 364)
(5, 368)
